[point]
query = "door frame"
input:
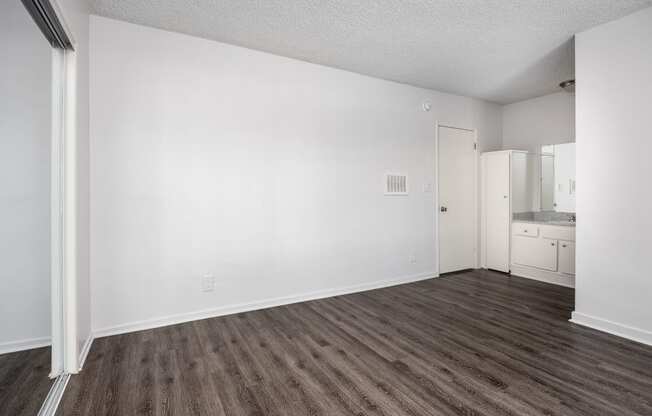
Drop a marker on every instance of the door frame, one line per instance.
(57, 231)
(63, 285)
(66, 161)
(49, 17)
(63, 186)
(476, 209)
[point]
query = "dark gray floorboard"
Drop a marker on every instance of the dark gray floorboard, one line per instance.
(471, 343)
(24, 381)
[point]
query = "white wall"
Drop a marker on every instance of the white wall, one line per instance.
(76, 15)
(262, 170)
(25, 94)
(614, 144)
(543, 120)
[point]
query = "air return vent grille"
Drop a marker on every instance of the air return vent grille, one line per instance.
(396, 184)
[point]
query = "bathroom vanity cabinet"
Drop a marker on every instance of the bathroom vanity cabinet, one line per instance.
(544, 252)
(522, 230)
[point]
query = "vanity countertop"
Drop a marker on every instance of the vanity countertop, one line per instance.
(548, 222)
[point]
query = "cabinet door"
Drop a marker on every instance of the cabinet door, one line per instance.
(534, 252)
(496, 210)
(567, 257)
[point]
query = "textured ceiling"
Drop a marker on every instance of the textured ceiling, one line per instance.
(498, 50)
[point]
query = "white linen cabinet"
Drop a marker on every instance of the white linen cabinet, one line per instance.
(505, 188)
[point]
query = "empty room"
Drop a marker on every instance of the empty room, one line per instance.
(324, 208)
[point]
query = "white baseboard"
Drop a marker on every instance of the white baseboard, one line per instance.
(555, 278)
(85, 350)
(614, 328)
(49, 406)
(25, 344)
(245, 307)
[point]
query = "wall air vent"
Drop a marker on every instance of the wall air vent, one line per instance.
(396, 184)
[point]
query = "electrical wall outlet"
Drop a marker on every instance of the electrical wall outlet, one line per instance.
(412, 258)
(208, 283)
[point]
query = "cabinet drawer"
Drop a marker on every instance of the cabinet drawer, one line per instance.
(524, 229)
(558, 233)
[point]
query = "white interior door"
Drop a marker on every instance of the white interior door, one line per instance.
(457, 199)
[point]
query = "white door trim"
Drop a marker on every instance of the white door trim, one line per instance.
(476, 210)
(63, 252)
(71, 364)
(57, 212)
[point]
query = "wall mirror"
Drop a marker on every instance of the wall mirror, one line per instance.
(25, 148)
(557, 177)
(32, 101)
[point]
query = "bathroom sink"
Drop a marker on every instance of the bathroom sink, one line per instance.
(566, 223)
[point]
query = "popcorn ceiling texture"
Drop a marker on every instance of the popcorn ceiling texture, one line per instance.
(499, 50)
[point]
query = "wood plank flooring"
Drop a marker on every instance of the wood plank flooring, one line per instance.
(473, 343)
(24, 381)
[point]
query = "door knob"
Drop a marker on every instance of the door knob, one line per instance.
(443, 209)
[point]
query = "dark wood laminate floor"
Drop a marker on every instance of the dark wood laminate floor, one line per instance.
(474, 343)
(24, 381)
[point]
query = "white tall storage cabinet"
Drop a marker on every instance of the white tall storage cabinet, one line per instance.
(496, 210)
(509, 185)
